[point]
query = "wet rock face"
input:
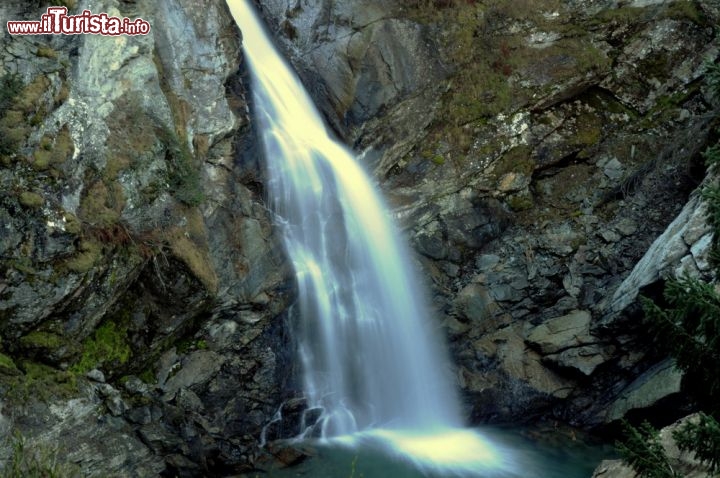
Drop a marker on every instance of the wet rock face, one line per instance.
(357, 60)
(135, 247)
(532, 175)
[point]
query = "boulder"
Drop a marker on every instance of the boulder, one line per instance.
(657, 383)
(562, 333)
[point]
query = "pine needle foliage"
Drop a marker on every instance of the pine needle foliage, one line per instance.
(712, 78)
(702, 438)
(689, 329)
(643, 451)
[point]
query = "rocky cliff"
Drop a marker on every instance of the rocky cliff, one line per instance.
(142, 291)
(540, 156)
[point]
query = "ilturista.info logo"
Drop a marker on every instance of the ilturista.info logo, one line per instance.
(57, 22)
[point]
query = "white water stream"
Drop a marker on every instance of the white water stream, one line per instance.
(371, 356)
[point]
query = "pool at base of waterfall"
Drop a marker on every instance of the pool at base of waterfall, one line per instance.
(491, 452)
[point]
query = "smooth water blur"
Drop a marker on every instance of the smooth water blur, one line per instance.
(369, 352)
(368, 348)
(496, 453)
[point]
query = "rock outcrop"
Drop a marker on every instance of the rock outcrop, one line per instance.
(540, 175)
(135, 248)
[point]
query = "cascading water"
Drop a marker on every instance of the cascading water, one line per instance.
(367, 347)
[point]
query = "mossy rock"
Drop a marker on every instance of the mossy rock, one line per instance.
(588, 130)
(29, 100)
(7, 366)
(13, 132)
(63, 147)
(49, 347)
(46, 52)
(108, 345)
(101, 205)
(12, 118)
(623, 16)
(23, 264)
(62, 94)
(89, 254)
(42, 340)
(31, 200)
(520, 202)
(40, 382)
(517, 160)
(685, 10)
(195, 257)
(72, 224)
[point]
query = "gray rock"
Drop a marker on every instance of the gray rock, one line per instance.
(140, 416)
(626, 226)
(82, 433)
(610, 236)
(364, 58)
(135, 386)
(667, 249)
(116, 405)
(96, 375)
(701, 252)
(660, 381)
(188, 401)
(196, 369)
(613, 169)
(585, 358)
(508, 348)
(474, 303)
(560, 333)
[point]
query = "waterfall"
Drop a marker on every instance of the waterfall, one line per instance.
(371, 357)
(368, 349)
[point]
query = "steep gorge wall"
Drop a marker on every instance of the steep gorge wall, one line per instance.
(142, 290)
(533, 151)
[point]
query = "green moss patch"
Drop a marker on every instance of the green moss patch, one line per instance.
(46, 52)
(42, 340)
(40, 382)
(89, 254)
(101, 205)
(41, 160)
(31, 200)
(108, 345)
(7, 366)
(517, 160)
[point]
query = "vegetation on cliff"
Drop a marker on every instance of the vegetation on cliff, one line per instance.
(686, 324)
